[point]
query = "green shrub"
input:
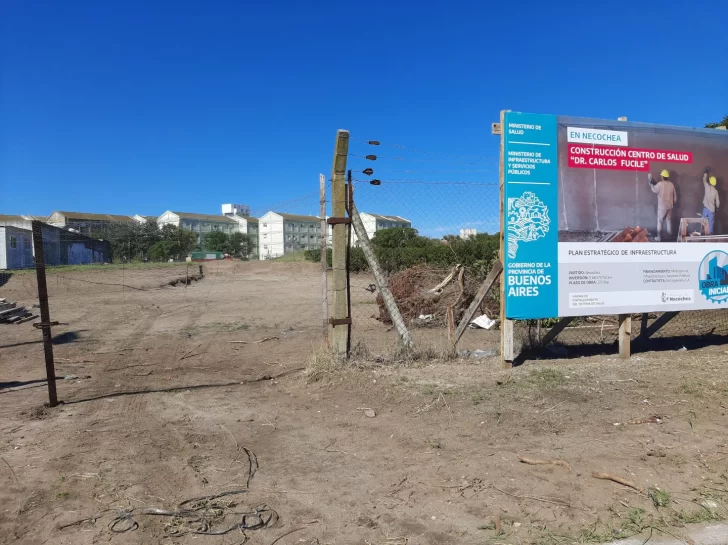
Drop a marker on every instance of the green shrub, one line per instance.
(358, 262)
(401, 248)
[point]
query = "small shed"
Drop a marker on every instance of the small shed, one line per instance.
(16, 248)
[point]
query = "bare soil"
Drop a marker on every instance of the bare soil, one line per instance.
(159, 403)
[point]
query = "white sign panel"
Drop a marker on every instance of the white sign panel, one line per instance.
(596, 136)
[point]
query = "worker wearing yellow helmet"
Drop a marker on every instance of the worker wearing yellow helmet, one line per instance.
(666, 199)
(711, 201)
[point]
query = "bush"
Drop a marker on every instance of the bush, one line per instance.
(358, 262)
(401, 248)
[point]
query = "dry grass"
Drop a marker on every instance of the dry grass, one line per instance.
(323, 364)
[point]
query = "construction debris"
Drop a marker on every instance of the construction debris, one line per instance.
(11, 313)
(415, 295)
(449, 278)
(482, 322)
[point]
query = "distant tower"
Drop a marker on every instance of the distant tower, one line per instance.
(235, 210)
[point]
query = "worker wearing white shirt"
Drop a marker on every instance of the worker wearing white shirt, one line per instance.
(711, 201)
(666, 199)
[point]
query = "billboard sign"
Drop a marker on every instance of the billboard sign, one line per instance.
(611, 217)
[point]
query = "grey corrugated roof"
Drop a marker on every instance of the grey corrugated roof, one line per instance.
(204, 217)
(390, 218)
(93, 217)
(296, 217)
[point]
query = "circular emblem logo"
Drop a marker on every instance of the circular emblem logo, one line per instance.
(713, 276)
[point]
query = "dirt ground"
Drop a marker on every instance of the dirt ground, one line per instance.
(392, 449)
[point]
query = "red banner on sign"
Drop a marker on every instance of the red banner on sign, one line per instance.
(622, 158)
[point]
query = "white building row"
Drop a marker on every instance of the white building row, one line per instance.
(282, 233)
(273, 235)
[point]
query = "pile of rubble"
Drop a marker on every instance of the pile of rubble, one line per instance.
(11, 313)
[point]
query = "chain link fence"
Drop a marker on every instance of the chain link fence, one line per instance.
(437, 240)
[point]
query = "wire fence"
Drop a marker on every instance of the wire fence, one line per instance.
(421, 233)
(433, 219)
(107, 318)
(445, 211)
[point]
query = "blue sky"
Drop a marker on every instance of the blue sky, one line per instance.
(138, 107)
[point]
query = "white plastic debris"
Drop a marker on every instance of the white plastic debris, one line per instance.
(482, 322)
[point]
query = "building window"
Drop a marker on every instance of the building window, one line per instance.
(265, 225)
(13, 242)
(265, 246)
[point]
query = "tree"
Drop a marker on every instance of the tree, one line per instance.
(722, 123)
(130, 241)
(400, 237)
(164, 250)
(217, 241)
(240, 245)
(178, 243)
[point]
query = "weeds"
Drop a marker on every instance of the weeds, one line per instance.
(549, 377)
(659, 498)
(702, 515)
(593, 535)
(477, 397)
(322, 365)
(695, 389)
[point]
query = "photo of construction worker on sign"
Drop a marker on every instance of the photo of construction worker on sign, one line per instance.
(711, 200)
(666, 200)
(635, 182)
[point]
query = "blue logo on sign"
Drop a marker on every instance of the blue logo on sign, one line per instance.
(713, 276)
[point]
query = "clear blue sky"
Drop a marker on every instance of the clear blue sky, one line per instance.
(138, 107)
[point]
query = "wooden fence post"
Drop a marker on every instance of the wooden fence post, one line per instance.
(340, 330)
(506, 325)
(493, 275)
(324, 260)
(625, 335)
(45, 315)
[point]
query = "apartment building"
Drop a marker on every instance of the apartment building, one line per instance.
(281, 234)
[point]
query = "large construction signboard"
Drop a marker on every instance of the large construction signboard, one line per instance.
(611, 217)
